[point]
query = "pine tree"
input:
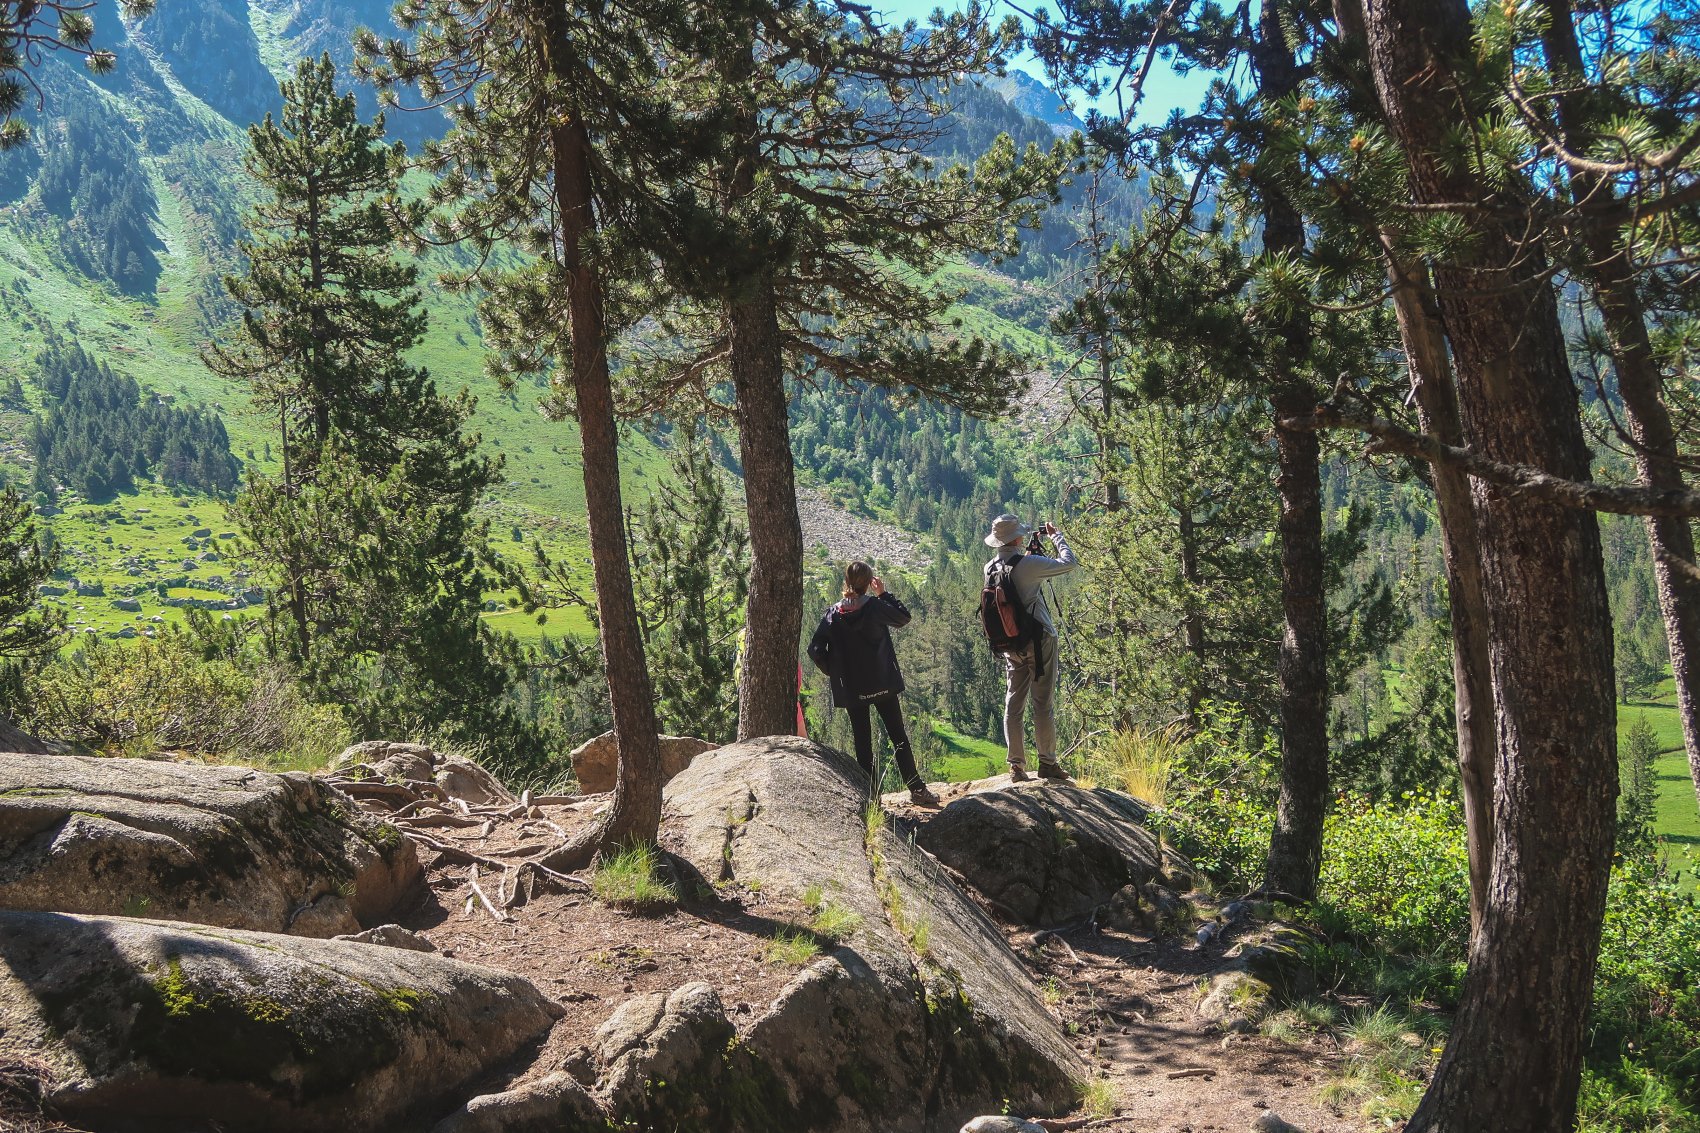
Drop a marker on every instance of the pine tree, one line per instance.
(329, 312)
(27, 630)
(566, 129)
(31, 28)
(1225, 145)
(1637, 798)
(1586, 106)
(1181, 605)
(820, 222)
(689, 558)
(369, 535)
(1525, 1000)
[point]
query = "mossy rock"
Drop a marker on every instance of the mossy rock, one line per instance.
(162, 1026)
(1280, 955)
(224, 846)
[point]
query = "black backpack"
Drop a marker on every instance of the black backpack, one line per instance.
(1004, 618)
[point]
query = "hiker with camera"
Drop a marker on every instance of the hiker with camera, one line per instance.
(1017, 622)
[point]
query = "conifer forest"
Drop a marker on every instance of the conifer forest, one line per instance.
(507, 384)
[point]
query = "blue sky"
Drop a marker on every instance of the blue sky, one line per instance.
(1164, 90)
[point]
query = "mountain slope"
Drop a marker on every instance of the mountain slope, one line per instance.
(119, 220)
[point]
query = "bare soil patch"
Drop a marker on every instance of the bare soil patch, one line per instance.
(591, 957)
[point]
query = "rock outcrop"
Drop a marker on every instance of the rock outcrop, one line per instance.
(921, 1017)
(596, 761)
(222, 846)
(155, 1026)
(913, 1019)
(1047, 854)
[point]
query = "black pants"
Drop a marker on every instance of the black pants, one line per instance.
(862, 730)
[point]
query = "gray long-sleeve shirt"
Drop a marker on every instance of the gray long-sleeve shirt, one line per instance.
(1034, 569)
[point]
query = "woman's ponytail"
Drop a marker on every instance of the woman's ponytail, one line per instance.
(857, 576)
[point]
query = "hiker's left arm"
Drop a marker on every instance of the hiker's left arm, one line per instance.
(892, 611)
(820, 648)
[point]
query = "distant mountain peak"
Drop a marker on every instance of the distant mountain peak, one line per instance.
(1033, 98)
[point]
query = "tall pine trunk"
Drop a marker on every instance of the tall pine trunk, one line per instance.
(636, 812)
(1610, 276)
(1472, 690)
(767, 686)
(1514, 1058)
(1295, 845)
(767, 682)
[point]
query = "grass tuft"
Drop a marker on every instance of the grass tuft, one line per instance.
(1099, 1099)
(831, 918)
(1389, 1057)
(1135, 760)
(628, 880)
(792, 947)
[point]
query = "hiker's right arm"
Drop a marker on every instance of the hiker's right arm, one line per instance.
(820, 650)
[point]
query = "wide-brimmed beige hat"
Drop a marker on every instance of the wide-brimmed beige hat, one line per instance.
(1006, 528)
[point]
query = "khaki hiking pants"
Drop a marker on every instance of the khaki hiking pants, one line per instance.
(1019, 670)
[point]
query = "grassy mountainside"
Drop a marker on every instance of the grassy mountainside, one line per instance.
(117, 224)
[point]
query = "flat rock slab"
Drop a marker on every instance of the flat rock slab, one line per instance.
(152, 1026)
(1047, 853)
(223, 846)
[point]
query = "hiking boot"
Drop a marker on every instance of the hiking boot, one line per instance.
(1018, 775)
(921, 796)
(1053, 771)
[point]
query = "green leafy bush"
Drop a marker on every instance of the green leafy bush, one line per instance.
(1397, 873)
(166, 693)
(1644, 1033)
(1221, 798)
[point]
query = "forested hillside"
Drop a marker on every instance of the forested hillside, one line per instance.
(121, 216)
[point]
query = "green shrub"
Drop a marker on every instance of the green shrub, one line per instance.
(1224, 833)
(1398, 873)
(1221, 804)
(166, 693)
(1644, 1033)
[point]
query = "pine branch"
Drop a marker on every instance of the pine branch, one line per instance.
(1517, 479)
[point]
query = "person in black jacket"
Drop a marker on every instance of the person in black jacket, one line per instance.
(852, 646)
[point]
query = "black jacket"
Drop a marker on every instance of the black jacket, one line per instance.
(853, 647)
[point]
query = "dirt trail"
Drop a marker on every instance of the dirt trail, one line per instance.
(1130, 1003)
(1127, 1000)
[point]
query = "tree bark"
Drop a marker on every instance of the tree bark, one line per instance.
(767, 681)
(1472, 690)
(1514, 1058)
(636, 812)
(767, 685)
(1610, 274)
(1295, 845)
(1192, 624)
